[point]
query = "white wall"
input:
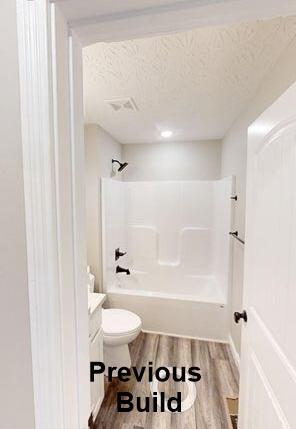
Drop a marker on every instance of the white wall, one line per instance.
(100, 148)
(234, 151)
(173, 161)
(16, 384)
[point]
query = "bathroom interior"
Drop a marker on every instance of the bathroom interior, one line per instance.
(166, 122)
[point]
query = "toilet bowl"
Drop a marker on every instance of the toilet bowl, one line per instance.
(120, 327)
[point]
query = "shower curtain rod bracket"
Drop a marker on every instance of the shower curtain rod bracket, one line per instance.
(236, 236)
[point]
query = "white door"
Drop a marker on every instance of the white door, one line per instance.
(268, 367)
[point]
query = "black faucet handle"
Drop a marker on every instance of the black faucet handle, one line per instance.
(118, 253)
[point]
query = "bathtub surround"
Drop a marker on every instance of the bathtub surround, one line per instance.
(197, 160)
(234, 160)
(176, 235)
(100, 149)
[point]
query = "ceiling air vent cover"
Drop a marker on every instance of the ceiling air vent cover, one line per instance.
(127, 104)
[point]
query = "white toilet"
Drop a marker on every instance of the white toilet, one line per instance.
(120, 327)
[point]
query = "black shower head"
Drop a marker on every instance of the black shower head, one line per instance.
(122, 165)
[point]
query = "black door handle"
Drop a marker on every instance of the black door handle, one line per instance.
(238, 316)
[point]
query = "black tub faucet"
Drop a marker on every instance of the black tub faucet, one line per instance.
(123, 270)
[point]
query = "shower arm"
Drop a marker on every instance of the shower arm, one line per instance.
(122, 165)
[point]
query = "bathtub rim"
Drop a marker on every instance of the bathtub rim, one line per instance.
(161, 295)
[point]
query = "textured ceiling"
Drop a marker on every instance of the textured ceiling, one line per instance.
(194, 83)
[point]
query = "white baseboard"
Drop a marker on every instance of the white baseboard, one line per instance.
(168, 334)
(234, 352)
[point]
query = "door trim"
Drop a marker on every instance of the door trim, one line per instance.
(36, 92)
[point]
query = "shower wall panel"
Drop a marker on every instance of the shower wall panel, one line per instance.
(114, 227)
(176, 235)
(177, 217)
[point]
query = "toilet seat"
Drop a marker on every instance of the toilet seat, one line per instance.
(119, 322)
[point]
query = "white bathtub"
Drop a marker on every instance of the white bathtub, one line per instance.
(173, 315)
(169, 283)
(186, 307)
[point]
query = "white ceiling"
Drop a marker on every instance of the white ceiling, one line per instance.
(194, 83)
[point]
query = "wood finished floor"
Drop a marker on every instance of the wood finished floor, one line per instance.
(219, 380)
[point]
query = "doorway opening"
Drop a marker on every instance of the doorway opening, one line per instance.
(158, 112)
(54, 178)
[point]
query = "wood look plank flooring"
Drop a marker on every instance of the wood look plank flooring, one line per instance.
(219, 380)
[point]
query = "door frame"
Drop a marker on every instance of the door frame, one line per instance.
(38, 94)
(36, 101)
(40, 146)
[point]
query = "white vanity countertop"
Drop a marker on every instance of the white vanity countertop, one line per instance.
(95, 300)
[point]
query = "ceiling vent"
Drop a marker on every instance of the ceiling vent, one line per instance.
(120, 104)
